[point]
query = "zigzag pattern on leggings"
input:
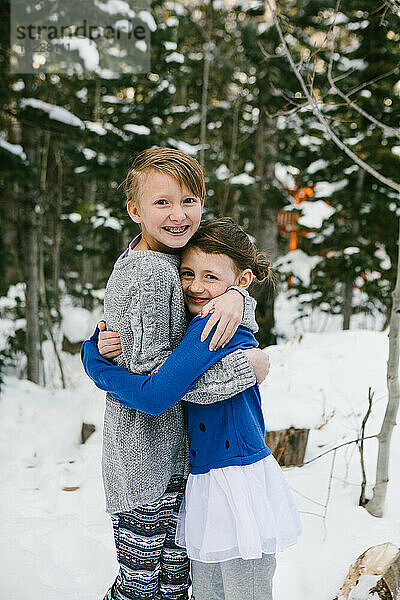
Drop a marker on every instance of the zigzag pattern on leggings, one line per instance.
(152, 567)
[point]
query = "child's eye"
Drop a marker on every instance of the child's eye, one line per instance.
(161, 202)
(190, 200)
(186, 274)
(211, 276)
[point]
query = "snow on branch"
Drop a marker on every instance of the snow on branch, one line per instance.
(55, 112)
(314, 106)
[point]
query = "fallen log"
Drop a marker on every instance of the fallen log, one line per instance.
(381, 560)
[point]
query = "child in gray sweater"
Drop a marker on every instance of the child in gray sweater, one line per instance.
(145, 458)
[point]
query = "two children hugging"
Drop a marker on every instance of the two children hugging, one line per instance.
(193, 479)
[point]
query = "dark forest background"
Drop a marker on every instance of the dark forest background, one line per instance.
(220, 88)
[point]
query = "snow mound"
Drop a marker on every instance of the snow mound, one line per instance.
(77, 323)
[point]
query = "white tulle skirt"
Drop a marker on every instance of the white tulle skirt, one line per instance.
(238, 512)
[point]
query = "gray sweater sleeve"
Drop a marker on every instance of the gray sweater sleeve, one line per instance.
(233, 373)
(249, 311)
(229, 376)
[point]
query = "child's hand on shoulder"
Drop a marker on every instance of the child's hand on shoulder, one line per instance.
(227, 315)
(109, 344)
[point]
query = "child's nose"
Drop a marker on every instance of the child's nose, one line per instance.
(196, 286)
(177, 214)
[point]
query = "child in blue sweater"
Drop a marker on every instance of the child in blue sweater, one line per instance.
(238, 510)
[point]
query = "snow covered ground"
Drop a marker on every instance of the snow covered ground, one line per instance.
(56, 540)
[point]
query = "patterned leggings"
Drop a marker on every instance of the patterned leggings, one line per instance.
(152, 567)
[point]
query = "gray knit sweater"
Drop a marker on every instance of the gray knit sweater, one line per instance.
(144, 303)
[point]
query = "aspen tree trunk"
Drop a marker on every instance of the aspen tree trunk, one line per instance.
(376, 505)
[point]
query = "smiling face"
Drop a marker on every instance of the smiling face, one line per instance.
(168, 214)
(205, 276)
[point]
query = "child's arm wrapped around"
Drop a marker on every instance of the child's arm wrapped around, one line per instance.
(156, 393)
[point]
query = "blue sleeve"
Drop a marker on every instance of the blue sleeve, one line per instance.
(154, 394)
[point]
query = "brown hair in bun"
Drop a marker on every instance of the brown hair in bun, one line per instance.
(223, 236)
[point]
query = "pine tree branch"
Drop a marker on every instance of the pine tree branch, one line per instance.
(332, 135)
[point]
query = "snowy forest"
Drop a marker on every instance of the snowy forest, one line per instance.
(292, 109)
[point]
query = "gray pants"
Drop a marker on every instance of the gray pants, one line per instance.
(236, 579)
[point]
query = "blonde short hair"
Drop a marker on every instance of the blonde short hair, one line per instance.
(184, 168)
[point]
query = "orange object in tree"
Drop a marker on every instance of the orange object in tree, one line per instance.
(293, 241)
(287, 219)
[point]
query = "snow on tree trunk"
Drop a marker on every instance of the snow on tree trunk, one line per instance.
(376, 505)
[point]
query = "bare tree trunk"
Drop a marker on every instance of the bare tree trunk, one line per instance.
(232, 157)
(42, 281)
(12, 270)
(347, 310)
(88, 259)
(91, 262)
(347, 301)
(264, 219)
(376, 504)
(206, 76)
(57, 228)
(32, 255)
(204, 98)
(32, 299)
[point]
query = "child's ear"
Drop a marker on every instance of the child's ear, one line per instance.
(133, 212)
(245, 278)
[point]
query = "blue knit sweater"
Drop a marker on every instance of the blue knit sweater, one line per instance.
(230, 432)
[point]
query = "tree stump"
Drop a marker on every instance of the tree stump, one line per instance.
(288, 445)
(71, 347)
(389, 586)
(87, 431)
